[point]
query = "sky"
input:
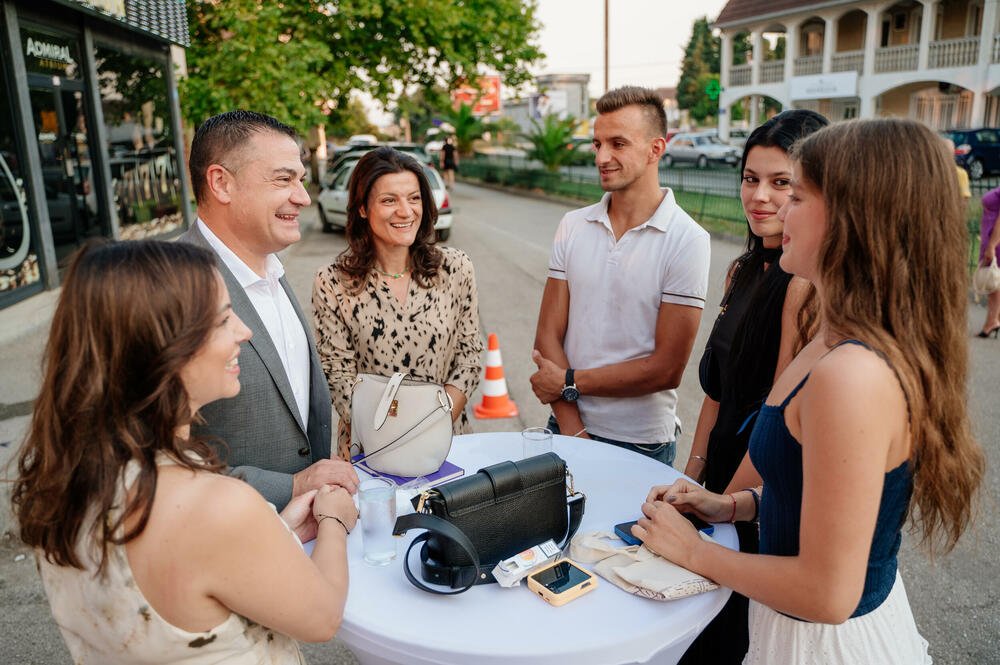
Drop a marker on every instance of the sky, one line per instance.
(647, 39)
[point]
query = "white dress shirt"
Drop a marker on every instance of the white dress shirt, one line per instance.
(275, 309)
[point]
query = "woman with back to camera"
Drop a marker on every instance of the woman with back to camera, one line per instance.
(989, 238)
(765, 319)
(147, 553)
(870, 414)
(393, 301)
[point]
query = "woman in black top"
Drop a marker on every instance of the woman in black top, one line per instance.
(763, 322)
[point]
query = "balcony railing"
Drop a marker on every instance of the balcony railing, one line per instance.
(896, 58)
(772, 72)
(848, 61)
(810, 64)
(954, 52)
(996, 49)
(739, 75)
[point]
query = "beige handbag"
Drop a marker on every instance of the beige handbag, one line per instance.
(403, 426)
(635, 569)
(986, 279)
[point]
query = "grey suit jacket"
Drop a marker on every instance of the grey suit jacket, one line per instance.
(262, 426)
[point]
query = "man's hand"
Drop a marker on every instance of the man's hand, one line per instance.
(325, 472)
(548, 381)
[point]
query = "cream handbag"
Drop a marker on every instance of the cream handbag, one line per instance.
(986, 279)
(403, 426)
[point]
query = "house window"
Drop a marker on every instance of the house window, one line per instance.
(974, 25)
(899, 22)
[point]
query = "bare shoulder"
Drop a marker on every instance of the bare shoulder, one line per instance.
(854, 374)
(208, 501)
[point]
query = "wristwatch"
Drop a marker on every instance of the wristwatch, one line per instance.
(569, 391)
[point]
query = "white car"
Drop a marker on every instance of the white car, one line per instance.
(700, 149)
(332, 200)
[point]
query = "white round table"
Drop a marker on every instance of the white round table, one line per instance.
(387, 620)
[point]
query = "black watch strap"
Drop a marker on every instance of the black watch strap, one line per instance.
(569, 378)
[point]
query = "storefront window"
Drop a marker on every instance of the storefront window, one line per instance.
(144, 171)
(18, 260)
(50, 54)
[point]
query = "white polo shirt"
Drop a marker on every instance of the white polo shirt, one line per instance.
(275, 310)
(615, 293)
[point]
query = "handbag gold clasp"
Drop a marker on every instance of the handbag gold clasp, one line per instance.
(423, 498)
(394, 408)
(570, 490)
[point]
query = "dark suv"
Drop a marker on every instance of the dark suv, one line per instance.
(976, 150)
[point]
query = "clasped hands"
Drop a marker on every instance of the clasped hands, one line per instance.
(548, 381)
(665, 532)
(322, 487)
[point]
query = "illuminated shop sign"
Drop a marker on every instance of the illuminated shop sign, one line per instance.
(114, 7)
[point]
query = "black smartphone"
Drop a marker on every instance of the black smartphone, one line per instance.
(624, 530)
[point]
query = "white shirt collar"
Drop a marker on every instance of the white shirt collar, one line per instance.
(241, 271)
(659, 221)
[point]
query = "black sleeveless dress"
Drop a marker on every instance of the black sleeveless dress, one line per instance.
(726, 638)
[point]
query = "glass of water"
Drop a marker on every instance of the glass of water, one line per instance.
(535, 441)
(377, 501)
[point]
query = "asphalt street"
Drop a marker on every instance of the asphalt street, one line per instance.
(954, 598)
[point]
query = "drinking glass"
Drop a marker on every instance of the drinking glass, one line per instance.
(377, 501)
(535, 441)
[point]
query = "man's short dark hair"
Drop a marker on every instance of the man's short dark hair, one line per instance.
(222, 135)
(650, 103)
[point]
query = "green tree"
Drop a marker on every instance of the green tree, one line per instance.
(552, 141)
(701, 64)
(467, 126)
(350, 121)
(299, 60)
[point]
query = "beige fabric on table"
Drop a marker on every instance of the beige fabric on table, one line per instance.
(106, 620)
(636, 569)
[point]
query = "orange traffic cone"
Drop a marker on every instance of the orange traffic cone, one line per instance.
(495, 402)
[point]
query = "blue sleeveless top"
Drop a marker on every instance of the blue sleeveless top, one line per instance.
(777, 456)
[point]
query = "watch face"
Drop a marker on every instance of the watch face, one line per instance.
(570, 393)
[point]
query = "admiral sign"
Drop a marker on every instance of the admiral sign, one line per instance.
(825, 86)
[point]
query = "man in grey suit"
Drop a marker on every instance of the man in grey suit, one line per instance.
(248, 181)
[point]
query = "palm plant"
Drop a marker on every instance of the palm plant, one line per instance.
(552, 141)
(467, 126)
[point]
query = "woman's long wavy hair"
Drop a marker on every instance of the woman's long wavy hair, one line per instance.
(129, 317)
(752, 354)
(358, 260)
(893, 271)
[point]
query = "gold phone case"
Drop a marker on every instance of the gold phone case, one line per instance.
(572, 593)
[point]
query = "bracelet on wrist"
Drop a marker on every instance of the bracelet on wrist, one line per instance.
(320, 517)
(756, 502)
(732, 518)
(699, 457)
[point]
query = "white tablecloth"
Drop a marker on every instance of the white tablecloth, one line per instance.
(387, 620)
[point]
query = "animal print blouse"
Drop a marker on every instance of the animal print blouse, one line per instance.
(434, 336)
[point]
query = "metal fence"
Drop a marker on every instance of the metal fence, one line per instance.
(711, 196)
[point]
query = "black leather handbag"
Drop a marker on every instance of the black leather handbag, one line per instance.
(475, 522)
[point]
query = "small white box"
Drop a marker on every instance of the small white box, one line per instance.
(510, 572)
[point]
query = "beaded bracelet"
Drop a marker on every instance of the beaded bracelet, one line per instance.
(756, 502)
(321, 517)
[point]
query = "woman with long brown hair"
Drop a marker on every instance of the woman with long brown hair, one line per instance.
(868, 424)
(393, 301)
(147, 553)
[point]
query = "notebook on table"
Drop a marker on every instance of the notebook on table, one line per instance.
(448, 471)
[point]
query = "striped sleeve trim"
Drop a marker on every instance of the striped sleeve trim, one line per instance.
(680, 295)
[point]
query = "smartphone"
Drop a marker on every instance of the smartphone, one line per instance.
(624, 530)
(561, 581)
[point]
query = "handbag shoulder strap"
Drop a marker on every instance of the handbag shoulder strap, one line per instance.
(388, 395)
(435, 524)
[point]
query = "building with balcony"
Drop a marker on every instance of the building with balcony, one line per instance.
(937, 61)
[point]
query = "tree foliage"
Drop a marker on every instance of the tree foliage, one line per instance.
(701, 65)
(552, 141)
(299, 60)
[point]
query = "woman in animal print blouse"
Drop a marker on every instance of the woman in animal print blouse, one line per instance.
(393, 301)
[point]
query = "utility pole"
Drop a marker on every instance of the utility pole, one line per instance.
(606, 86)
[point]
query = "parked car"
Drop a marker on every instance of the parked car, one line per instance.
(332, 199)
(977, 150)
(700, 149)
(355, 152)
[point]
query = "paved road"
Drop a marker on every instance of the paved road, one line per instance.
(508, 238)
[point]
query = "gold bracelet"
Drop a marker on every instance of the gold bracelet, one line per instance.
(580, 432)
(699, 457)
(321, 517)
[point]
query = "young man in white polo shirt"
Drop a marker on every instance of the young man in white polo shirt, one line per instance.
(626, 286)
